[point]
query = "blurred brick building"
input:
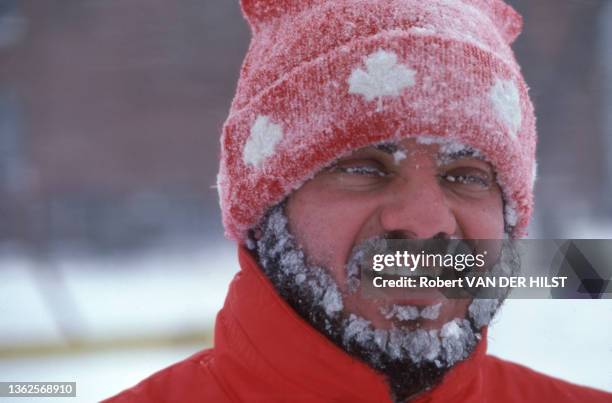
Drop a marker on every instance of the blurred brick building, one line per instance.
(114, 110)
(110, 113)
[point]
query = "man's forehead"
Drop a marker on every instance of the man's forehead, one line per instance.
(447, 151)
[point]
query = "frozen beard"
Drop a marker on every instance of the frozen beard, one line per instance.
(412, 360)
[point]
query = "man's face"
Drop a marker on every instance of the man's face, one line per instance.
(411, 190)
(407, 190)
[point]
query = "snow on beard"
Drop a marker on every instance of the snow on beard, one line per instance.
(412, 360)
(482, 307)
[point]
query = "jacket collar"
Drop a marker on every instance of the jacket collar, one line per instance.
(262, 345)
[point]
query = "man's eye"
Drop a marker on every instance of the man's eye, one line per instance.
(468, 178)
(360, 168)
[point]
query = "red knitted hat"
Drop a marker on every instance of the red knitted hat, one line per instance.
(323, 77)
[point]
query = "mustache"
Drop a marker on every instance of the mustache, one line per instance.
(362, 256)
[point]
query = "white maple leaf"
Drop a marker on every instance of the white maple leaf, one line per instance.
(383, 76)
(504, 96)
(262, 141)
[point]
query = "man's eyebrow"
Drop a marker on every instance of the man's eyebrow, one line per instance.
(388, 148)
(464, 153)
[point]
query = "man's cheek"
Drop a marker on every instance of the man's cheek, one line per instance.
(481, 222)
(315, 240)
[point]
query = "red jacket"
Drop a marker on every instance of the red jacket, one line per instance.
(264, 352)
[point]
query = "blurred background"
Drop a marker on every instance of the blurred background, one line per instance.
(112, 257)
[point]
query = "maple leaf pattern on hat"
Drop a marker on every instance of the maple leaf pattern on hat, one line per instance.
(262, 141)
(383, 76)
(506, 101)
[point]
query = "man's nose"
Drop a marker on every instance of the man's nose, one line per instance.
(417, 208)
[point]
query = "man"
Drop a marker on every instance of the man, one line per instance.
(356, 122)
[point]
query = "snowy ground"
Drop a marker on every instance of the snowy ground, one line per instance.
(97, 375)
(174, 292)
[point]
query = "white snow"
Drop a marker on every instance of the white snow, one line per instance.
(510, 214)
(98, 374)
(431, 312)
(481, 311)
(426, 30)
(174, 287)
(504, 96)
(164, 294)
(357, 328)
(446, 147)
(457, 339)
(424, 346)
(410, 312)
(383, 76)
(401, 312)
(451, 329)
(332, 301)
(262, 141)
(293, 265)
(569, 339)
(398, 156)
(428, 140)
(446, 347)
